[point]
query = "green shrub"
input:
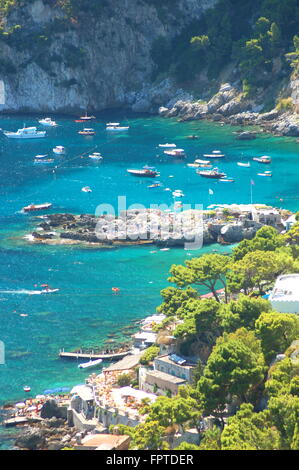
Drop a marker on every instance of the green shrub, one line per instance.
(149, 355)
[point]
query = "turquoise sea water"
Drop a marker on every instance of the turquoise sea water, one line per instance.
(85, 311)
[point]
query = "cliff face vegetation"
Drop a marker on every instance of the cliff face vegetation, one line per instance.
(65, 55)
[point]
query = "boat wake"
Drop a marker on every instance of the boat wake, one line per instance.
(22, 291)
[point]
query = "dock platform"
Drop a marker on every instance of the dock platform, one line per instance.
(17, 420)
(92, 355)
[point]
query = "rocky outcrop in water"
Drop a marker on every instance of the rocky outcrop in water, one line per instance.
(153, 226)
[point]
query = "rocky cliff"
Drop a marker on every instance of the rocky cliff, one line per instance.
(63, 60)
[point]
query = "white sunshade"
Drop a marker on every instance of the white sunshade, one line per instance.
(83, 392)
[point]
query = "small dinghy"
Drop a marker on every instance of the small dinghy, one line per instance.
(245, 165)
(167, 145)
(87, 365)
(59, 150)
(266, 173)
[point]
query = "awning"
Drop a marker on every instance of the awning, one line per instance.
(83, 391)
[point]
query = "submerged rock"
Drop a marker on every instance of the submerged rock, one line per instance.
(31, 439)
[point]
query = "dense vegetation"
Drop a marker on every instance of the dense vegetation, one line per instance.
(252, 394)
(254, 36)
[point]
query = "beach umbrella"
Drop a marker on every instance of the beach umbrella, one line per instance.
(31, 408)
(40, 397)
(20, 405)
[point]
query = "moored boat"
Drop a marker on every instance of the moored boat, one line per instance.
(37, 207)
(214, 173)
(167, 145)
(42, 159)
(89, 364)
(264, 159)
(178, 153)
(245, 165)
(86, 118)
(26, 388)
(266, 173)
(146, 171)
(59, 150)
(95, 156)
(25, 133)
(202, 161)
(156, 184)
(86, 131)
(115, 126)
(48, 122)
(214, 154)
(86, 189)
(178, 193)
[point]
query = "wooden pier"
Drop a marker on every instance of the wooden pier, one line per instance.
(87, 355)
(19, 420)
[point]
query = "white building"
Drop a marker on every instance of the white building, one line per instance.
(285, 296)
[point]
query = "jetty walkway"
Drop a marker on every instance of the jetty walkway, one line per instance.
(93, 355)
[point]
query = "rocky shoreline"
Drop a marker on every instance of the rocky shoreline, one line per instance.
(231, 107)
(224, 225)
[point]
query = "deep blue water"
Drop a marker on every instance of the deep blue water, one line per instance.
(85, 311)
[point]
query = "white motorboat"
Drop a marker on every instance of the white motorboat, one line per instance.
(25, 133)
(48, 122)
(95, 156)
(59, 150)
(42, 159)
(87, 131)
(115, 126)
(266, 173)
(245, 165)
(214, 154)
(49, 291)
(86, 189)
(86, 118)
(146, 171)
(202, 162)
(87, 365)
(167, 145)
(179, 153)
(26, 388)
(178, 193)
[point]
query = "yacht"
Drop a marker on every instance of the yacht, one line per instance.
(25, 133)
(146, 171)
(47, 122)
(214, 173)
